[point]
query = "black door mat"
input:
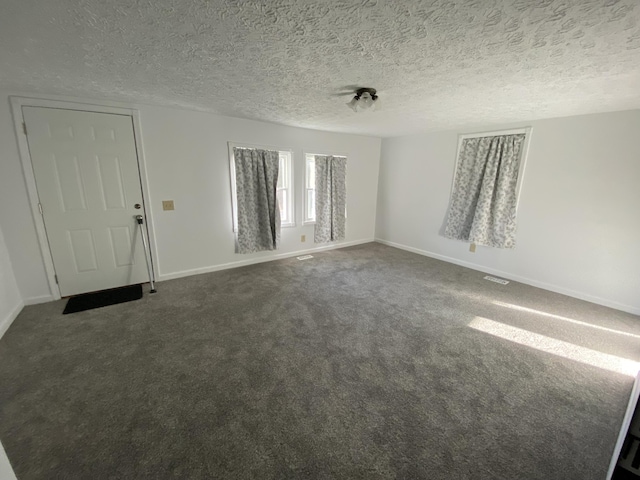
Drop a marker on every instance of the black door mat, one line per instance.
(87, 301)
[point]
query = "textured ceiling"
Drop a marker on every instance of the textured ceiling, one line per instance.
(437, 64)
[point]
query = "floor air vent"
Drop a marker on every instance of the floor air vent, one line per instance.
(305, 257)
(501, 281)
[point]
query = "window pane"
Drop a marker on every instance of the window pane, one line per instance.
(282, 174)
(311, 204)
(311, 174)
(282, 204)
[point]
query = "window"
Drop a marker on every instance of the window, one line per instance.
(284, 189)
(310, 189)
(486, 186)
(331, 198)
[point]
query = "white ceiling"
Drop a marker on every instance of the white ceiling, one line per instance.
(437, 64)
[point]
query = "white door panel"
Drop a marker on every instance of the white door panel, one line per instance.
(87, 176)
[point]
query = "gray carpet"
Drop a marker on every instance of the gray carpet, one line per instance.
(358, 363)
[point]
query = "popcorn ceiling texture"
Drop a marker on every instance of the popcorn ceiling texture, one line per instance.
(437, 64)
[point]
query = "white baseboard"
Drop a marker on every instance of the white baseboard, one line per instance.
(252, 261)
(40, 299)
(8, 320)
(517, 278)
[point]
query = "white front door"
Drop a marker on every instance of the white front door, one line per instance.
(86, 171)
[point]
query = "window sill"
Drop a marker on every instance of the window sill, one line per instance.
(287, 225)
(310, 222)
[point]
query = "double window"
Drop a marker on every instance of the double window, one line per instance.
(285, 187)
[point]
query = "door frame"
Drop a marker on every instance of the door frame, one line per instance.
(27, 169)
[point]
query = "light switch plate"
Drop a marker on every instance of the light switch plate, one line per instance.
(303, 238)
(167, 205)
(472, 248)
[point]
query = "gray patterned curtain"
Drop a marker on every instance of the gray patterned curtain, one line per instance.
(483, 201)
(331, 198)
(257, 205)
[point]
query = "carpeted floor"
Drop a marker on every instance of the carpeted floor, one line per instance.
(358, 363)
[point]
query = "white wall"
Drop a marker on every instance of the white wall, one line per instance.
(10, 298)
(578, 220)
(187, 161)
(15, 214)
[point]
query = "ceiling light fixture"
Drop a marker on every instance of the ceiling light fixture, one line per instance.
(365, 99)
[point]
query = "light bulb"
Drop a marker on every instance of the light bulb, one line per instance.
(365, 102)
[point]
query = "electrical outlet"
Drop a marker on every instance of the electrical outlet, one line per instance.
(472, 248)
(303, 238)
(167, 205)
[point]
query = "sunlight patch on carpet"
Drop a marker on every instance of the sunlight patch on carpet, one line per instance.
(556, 347)
(566, 319)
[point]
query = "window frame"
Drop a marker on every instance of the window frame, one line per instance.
(232, 180)
(496, 133)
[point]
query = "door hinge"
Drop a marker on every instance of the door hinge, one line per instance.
(40, 208)
(24, 128)
(56, 277)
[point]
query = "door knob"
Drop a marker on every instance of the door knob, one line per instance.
(137, 206)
